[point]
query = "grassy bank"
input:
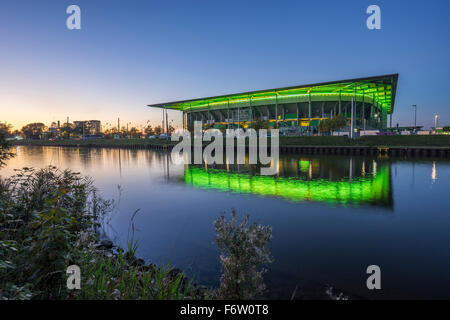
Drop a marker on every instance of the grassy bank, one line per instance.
(369, 141)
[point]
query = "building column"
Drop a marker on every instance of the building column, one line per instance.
(276, 110)
(209, 115)
(239, 118)
(228, 113)
(232, 119)
(309, 113)
(371, 114)
(190, 119)
(352, 118)
(379, 116)
(251, 112)
(363, 110)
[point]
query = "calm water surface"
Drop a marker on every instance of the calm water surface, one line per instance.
(331, 216)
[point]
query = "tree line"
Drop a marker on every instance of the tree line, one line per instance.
(38, 130)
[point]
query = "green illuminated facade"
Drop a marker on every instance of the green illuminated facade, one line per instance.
(301, 107)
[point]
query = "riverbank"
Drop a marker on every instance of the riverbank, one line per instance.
(440, 141)
(427, 146)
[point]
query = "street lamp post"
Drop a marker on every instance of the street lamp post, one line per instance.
(415, 116)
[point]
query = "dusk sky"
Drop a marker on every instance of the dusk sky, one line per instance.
(132, 53)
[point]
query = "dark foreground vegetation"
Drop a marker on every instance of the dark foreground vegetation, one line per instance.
(370, 141)
(48, 221)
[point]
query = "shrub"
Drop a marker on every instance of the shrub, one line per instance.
(243, 251)
(4, 146)
(41, 214)
(332, 124)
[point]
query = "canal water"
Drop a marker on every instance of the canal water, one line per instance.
(331, 216)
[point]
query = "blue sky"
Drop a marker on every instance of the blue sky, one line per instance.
(132, 53)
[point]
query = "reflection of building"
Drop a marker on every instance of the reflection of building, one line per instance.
(299, 107)
(358, 182)
(88, 127)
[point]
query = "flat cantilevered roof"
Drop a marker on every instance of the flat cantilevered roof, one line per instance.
(379, 90)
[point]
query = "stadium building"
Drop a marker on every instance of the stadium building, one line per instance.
(298, 109)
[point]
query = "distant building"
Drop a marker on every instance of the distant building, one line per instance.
(53, 130)
(88, 127)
